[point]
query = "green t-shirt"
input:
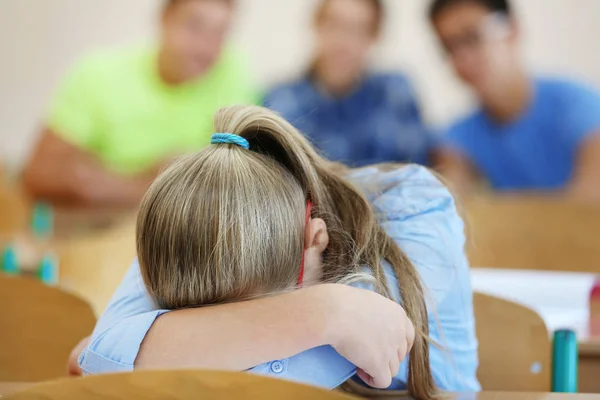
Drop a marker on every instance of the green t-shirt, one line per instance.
(115, 106)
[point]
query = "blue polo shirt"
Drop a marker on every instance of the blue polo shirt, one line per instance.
(537, 151)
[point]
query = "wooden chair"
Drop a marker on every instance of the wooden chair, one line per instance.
(39, 326)
(176, 385)
(92, 266)
(533, 233)
(514, 347)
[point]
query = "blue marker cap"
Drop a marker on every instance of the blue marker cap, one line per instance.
(9, 263)
(48, 270)
(42, 220)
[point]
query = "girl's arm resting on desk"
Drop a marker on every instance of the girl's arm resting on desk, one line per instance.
(242, 335)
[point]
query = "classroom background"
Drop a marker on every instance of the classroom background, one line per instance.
(534, 256)
(40, 41)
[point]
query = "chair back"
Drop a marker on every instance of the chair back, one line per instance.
(514, 347)
(533, 233)
(39, 326)
(176, 385)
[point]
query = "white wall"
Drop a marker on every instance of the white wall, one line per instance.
(39, 39)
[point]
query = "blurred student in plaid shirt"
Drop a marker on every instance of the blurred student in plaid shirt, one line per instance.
(351, 114)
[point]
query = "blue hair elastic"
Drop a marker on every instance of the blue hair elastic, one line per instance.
(230, 138)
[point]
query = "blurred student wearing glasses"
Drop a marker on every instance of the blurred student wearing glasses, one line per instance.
(123, 113)
(530, 133)
(351, 114)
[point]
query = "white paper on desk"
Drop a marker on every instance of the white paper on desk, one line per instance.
(561, 298)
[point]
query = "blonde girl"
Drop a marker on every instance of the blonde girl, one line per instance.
(259, 217)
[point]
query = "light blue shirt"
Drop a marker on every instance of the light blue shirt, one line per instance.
(419, 213)
(537, 151)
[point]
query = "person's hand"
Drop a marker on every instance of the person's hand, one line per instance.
(373, 333)
(73, 364)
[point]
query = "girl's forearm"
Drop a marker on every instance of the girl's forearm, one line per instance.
(242, 335)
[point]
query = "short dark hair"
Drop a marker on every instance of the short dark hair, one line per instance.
(439, 6)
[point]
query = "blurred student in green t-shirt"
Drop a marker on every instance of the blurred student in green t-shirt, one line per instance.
(120, 115)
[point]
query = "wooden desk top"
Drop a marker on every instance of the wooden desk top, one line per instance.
(510, 396)
(526, 396)
(10, 388)
(6, 389)
(69, 222)
(589, 347)
(77, 222)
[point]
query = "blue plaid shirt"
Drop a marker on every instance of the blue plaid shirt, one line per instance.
(380, 121)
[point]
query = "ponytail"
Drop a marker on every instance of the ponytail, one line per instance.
(356, 237)
(228, 224)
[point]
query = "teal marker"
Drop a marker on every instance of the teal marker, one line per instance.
(42, 221)
(48, 270)
(564, 362)
(9, 263)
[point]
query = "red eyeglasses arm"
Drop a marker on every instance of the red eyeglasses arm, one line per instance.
(306, 222)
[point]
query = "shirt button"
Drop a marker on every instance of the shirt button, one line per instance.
(277, 367)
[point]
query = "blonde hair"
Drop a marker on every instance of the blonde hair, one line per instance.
(227, 224)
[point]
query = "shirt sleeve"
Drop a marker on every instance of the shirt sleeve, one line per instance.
(119, 333)
(580, 116)
(73, 114)
(419, 214)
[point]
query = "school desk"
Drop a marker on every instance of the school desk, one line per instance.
(542, 233)
(589, 365)
(215, 381)
(10, 388)
(524, 396)
(508, 396)
(505, 396)
(76, 222)
(94, 251)
(93, 265)
(6, 389)
(16, 209)
(562, 299)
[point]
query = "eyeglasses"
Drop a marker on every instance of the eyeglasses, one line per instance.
(495, 27)
(307, 220)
